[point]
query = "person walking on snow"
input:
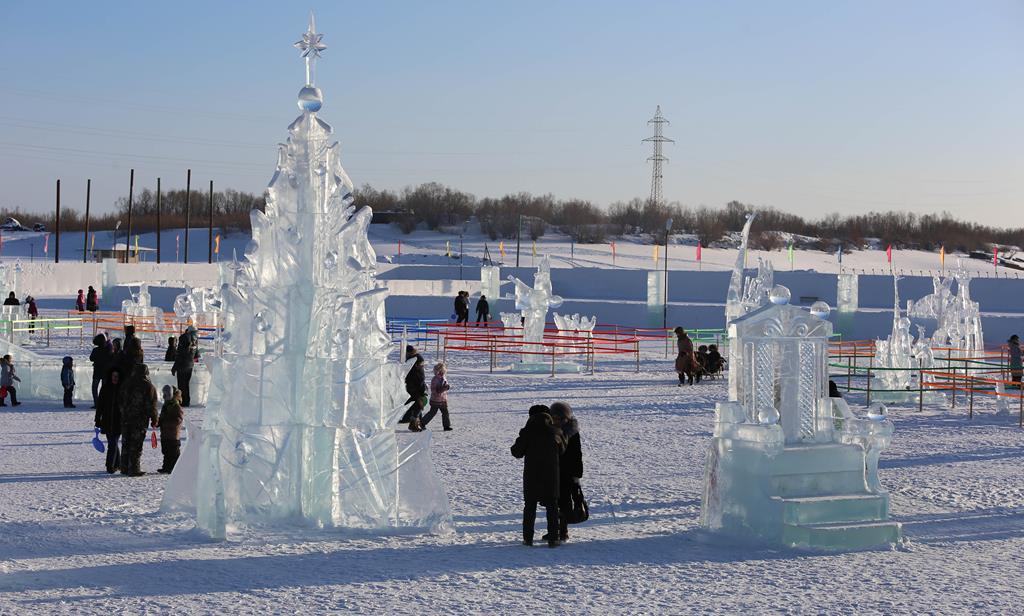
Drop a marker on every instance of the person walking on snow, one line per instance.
(108, 417)
(80, 301)
(416, 387)
(171, 418)
(33, 313)
(462, 308)
(541, 443)
(7, 379)
(92, 302)
(1016, 368)
(185, 361)
(570, 464)
(67, 381)
(438, 398)
(102, 358)
(138, 402)
(483, 311)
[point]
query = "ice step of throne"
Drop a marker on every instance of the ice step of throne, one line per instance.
(841, 513)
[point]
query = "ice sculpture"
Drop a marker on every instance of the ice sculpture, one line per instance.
(788, 465)
(140, 307)
(490, 281)
(957, 316)
(655, 288)
(511, 320)
(747, 293)
(10, 278)
(847, 292)
(894, 357)
(575, 324)
(301, 423)
(200, 305)
(533, 304)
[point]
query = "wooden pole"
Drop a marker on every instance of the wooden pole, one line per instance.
(158, 220)
(188, 209)
(131, 189)
(210, 241)
(56, 251)
(85, 242)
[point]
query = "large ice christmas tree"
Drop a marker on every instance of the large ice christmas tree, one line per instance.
(303, 403)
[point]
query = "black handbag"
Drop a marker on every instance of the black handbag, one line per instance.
(580, 509)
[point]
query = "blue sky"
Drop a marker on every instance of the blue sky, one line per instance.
(812, 107)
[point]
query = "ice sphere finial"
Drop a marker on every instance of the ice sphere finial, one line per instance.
(311, 44)
(779, 295)
(820, 309)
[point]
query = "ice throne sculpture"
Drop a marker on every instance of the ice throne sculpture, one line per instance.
(300, 427)
(747, 293)
(787, 465)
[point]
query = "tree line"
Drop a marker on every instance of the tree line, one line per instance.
(438, 207)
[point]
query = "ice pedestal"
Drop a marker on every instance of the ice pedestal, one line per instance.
(788, 465)
(847, 292)
(490, 281)
(655, 288)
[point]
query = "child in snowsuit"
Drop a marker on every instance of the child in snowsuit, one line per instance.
(67, 381)
(137, 399)
(171, 418)
(172, 349)
(7, 379)
(541, 443)
(438, 398)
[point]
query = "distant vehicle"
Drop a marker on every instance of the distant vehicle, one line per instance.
(39, 227)
(12, 224)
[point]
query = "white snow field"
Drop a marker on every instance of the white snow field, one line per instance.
(76, 540)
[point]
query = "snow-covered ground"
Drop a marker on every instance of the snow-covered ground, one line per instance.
(75, 540)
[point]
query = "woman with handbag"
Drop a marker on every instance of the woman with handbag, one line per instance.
(572, 508)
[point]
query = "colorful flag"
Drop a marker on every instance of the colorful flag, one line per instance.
(698, 250)
(399, 247)
(613, 253)
(216, 244)
(93, 247)
(448, 248)
(942, 257)
(501, 249)
(46, 244)
(888, 253)
(136, 245)
(995, 256)
(791, 256)
(177, 246)
(656, 247)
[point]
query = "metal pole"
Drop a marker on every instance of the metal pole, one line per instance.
(131, 189)
(920, 385)
(461, 255)
(664, 314)
(188, 208)
(210, 243)
(56, 252)
(158, 220)
(85, 241)
(519, 234)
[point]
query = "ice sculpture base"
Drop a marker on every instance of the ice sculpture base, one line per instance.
(825, 496)
(910, 396)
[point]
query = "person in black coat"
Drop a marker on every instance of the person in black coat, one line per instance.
(483, 311)
(92, 302)
(416, 387)
(102, 358)
(12, 300)
(541, 443)
(108, 417)
(187, 353)
(570, 465)
(172, 349)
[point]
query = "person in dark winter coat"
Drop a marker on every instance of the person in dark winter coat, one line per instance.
(33, 313)
(716, 363)
(702, 361)
(172, 349)
(102, 358)
(686, 362)
(67, 381)
(416, 387)
(80, 301)
(92, 302)
(138, 402)
(12, 300)
(129, 335)
(108, 417)
(483, 311)
(171, 418)
(462, 307)
(1016, 368)
(570, 465)
(185, 358)
(541, 443)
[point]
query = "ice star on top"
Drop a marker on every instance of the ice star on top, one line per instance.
(311, 44)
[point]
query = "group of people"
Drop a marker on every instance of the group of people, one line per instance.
(692, 365)
(483, 309)
(420, 395)
(31, 309)
(87, 300)
(126, 402)
(552, 469)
